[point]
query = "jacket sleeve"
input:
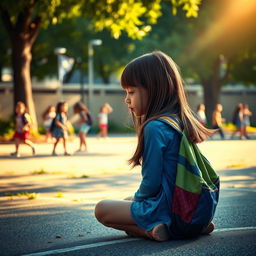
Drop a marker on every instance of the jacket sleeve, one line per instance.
(155, 143)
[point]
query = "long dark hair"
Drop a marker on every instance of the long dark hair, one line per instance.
(59, 106)
(159, 75)
(78, 107)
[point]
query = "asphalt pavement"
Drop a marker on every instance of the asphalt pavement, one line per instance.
(59, 218)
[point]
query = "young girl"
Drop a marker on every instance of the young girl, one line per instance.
(48, 116)
(247, 121)
(154, 89)
(200, 114)
(105, 110)
(238, 121)
(84, 123)
(217, 120)
(59, 129)
(22, 128)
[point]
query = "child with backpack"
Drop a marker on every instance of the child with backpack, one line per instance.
(22, 133)
(179, 190)
(85, 123)
(59, 129)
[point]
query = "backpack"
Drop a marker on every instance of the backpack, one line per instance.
(89, 119)
(53, 125)
(196, 188)
(26, 119)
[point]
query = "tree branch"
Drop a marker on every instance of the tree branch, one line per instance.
(34, 29)
(28, 10)
(24, 19)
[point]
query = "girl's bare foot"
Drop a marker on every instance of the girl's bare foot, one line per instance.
(208, 229)
(159, 233)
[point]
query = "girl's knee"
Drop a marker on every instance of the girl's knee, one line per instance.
(99, 209)
(101, 212)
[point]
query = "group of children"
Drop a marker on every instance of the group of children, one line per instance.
(241, 119)
(56, 125)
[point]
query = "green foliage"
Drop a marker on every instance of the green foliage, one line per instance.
(59, 194)
(39, 172)
(6, 128)
(190, 7)
(29, 196)
(41, 129)
(73, 176)
(43, 8)
(117, 128)
(133, 16)
(244, 67)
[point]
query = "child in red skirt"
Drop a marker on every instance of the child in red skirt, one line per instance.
(22, 129)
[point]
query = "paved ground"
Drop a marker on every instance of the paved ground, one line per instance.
(60, 219)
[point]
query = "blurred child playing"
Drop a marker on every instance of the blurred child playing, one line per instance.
(217, 120)
(200, 114)
(59, 128)
(84, 123)
(105, 110)
(48, 116)
(22, 133)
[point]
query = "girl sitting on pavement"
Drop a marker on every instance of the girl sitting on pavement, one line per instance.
(167, 204)
(59, 128)
(22, 129)
(84, 123)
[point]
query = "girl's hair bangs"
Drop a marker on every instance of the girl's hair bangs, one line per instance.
(128, 77)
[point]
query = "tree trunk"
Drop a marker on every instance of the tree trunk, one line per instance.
(22, 34)
(1, 72)
(212, 85)
(21, 59)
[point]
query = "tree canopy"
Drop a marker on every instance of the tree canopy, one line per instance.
(23, 19)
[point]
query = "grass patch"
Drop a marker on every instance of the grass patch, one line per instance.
(29, 196)
(39, 172)
(236, 165)
(59, 194)
(7, 128)
(84, 176)
(73, 176)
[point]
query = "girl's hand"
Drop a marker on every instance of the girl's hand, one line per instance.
(25, 127)
(129, 198)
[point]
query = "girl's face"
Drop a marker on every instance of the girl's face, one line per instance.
(52, 109)
(20, 109)
(136, 99)
(219, 107)
(64, 108)
(202, 107)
